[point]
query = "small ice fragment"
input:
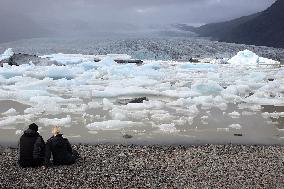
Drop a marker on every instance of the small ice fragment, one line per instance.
(204, 120)
(234, 114)
(112, 125)
(19, 132)
(107, 104)
(93, 132)
(168, 128)
(10, 112)
(94, 105)
(235, 126)
(223, 129)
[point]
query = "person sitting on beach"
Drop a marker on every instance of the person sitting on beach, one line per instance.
(31, 148)
(60, 148)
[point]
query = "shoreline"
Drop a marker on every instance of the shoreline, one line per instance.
(9, 145)
(154, 166)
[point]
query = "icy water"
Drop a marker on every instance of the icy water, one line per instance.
(209, 126)
(187, 103)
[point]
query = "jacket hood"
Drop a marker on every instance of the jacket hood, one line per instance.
(30, 132)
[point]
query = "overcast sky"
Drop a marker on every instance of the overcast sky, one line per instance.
(61, 16)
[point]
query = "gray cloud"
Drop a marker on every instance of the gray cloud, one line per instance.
(90, 16)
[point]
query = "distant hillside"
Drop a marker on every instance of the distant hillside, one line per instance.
(263, 29)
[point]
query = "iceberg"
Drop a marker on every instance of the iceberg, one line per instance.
(7, 54)
(248, 57)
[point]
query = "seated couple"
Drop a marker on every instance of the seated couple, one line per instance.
(34, 152)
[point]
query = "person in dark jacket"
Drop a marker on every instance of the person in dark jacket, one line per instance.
(60, 148)
(31, 148)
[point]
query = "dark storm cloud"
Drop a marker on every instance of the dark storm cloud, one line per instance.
(88, 16)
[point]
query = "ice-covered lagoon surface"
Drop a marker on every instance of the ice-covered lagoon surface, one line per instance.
(240, 102)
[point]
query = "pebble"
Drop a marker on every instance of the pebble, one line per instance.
(131, 166)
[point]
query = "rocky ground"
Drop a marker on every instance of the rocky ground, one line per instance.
(119, 166)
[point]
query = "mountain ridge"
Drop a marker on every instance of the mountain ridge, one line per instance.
(265, 28)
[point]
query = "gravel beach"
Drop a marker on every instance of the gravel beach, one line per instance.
(120, 166)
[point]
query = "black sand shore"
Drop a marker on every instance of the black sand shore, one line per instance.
(119, 166)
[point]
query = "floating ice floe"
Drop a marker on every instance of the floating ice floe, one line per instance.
(67, 59)
(235, 126)
(234, 114)
(247, 57)
(207, 87)
(275, 115)
(10, 112)
(168, 128)
(8, 121)
(177, 92)
(223, 129)
(63, 122)
(12, 120)
(112, 125)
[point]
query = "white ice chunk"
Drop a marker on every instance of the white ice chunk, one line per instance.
(223, 129)
(118, 114)
(162, 118)
(19, 132)
(112, 125)
(7, 54)
(63, 122)
(69, 58)
(180, 122)
(107, 104)
(56, 72)
(108, 61)
(199, 66)
(10, 112)
(234, 114)
(235, 126)
(275, 115)
(8, 121)
(247, 57)
(94, 105)
(168, 128)
(207, 87)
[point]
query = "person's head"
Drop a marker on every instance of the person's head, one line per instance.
(56, 130)
(33, 127)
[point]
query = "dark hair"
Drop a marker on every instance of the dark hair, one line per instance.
(33, 127)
